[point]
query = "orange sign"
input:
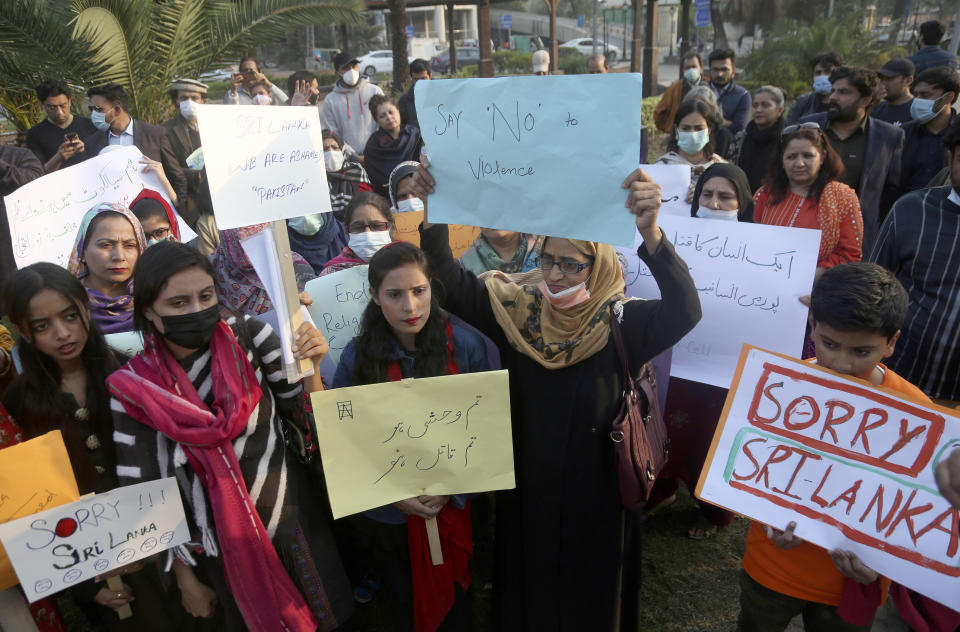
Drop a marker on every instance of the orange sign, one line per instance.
(460, 236)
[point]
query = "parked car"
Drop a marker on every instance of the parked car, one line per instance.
(378, 61)
(584, 45)
(466, 56)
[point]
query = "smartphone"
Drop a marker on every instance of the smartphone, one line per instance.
(71, 137)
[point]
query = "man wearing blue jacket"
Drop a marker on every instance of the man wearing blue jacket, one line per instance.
(870, 148)
(734, 100)
(930, 54)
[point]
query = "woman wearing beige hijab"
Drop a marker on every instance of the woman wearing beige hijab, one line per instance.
(567, 554)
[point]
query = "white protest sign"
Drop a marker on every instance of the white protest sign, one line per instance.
(533, 154)
(851, 464)
(264, 163)
(261, 250)
(338, 303)
(674, 180)
(749, 278)
(44, 214)
(57, 548)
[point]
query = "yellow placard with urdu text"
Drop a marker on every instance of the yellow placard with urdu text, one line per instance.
(34, 475)
(386, 442)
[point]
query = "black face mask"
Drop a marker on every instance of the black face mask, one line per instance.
(191, 331)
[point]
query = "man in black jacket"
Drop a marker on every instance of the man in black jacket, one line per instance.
(115, 126)
(816, 101)
(870, 149)
(419, 71)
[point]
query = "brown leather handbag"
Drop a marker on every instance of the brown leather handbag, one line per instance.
(639, 434)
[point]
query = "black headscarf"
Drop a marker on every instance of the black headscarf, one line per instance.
(735, 175)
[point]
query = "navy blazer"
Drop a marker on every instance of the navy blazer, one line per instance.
(152, 142)
(879, 183)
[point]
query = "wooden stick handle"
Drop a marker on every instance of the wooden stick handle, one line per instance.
(433, 537)
(116, 585)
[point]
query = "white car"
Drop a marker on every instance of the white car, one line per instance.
(378, 61)
(584, 46)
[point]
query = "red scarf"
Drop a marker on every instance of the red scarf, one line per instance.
(434, 587)
(155, 390)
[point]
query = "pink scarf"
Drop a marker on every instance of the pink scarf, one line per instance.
(155, 390)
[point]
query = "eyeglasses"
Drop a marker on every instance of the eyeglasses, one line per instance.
(52, 107)
(159, 234)
(566, 266)
(359, 227)
(792, 129)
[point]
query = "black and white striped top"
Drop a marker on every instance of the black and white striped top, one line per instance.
(920, 243)
(143, 454)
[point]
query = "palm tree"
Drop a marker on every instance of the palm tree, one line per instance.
(140, 44)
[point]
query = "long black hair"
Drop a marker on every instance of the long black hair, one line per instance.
(42, 410)
(375, 343)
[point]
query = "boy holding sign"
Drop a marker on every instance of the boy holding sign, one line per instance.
(857, 310)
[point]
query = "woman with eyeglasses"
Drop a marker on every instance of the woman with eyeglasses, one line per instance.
(802, 189)
(567, 554)
(370, 227)
(156, 217)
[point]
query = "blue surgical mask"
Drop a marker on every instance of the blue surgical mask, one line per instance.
(693, 142)
(692, 75)
(822, 85)
(921, 110)
(99, 120)
(308, 225)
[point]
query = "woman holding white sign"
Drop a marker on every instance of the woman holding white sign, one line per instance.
(404, 333)
(63, 387)
(204, 402)
(567, 554)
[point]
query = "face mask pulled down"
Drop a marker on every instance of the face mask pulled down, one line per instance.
(367, 243)
(191, 331)
(568, 298)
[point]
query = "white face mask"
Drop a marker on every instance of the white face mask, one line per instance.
(351, 77)
(565, 299)
(367, 243)
(308, 225)
(262, 99)
(333, 159)
(410, 204)
(188, 109)
(709, 213)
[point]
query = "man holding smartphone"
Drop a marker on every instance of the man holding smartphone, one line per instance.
(58, 137)
(242, 83)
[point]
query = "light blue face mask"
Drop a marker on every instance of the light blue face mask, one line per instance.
(924, 110)
(308, 225)
(692, 75)
(99, 120)
(693, 142)
(822, 85)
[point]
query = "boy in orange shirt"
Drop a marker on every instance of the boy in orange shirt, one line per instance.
(856, 311)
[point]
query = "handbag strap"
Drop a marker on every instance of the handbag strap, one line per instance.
(629, 386)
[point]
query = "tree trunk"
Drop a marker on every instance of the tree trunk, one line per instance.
(636, 50)
(554, 52)
(344, 39)
(651, 53)
(897, 20)
(684, 33)
(719, 31)
(483, 34)
(398, 37)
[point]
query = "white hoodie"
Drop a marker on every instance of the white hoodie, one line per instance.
(345, 112)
